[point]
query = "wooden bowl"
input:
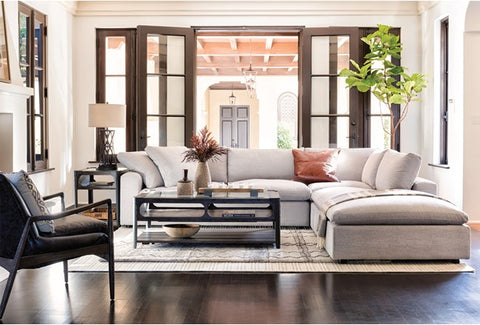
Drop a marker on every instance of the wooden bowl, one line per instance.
(181, 230)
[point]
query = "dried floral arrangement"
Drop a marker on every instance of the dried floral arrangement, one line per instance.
(204, 147)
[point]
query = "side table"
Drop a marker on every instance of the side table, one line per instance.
(93, 184)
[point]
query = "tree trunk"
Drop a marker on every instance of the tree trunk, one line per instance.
(392, 133)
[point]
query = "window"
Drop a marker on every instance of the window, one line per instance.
(116, 81)
(33, 68)
(287, 120)
(444, 92)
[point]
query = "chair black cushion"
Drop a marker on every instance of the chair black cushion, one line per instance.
(71, 232)
(63, 243)
(77, 224)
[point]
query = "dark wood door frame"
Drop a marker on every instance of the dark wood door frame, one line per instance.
(190, 54)
(130, 93)
(305, 111)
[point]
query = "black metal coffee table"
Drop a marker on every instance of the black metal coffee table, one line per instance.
(225, 208)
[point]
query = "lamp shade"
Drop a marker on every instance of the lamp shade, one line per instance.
(106, 115)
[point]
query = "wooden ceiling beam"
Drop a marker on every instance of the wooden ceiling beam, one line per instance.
(254, 66)
(211, 49)
(233, 43)
(268, 43)
(207, 58)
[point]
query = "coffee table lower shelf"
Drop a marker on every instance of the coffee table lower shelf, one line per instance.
(253, 237)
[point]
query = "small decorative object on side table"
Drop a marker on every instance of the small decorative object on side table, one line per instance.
(84, 179)
(204, 147)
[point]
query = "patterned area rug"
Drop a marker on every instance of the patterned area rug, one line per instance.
(299, 252)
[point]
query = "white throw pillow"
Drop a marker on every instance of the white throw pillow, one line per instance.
(369, 173)
(397, 170)
(140, 162)
(169, 162)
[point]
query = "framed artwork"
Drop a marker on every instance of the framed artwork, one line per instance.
(4, 64)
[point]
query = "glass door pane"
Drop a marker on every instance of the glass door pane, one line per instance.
(330, 114)
(329, 100)
(116, 82)
(165, 79)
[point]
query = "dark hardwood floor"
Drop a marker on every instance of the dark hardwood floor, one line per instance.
(40, 296)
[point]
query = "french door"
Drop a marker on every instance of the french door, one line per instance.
(234, 126)
(330, 113)
(165, 85)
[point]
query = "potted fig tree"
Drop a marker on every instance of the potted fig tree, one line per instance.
(387, 81)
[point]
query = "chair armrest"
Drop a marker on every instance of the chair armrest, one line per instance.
(61, 195)
(51, 196)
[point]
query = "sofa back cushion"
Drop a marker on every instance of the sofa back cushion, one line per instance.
(169, 162)
(260, 163)
(140, 162)
(369, 173)
(218, 169)
(397, 170)
(350, 162)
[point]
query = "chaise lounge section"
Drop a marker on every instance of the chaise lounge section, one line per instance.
(410, 223)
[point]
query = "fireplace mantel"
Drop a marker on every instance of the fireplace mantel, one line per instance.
(15, 90)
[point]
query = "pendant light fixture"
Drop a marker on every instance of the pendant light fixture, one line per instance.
(232, 99)
(250, 76)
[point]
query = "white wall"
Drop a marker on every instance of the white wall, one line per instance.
(471, 149)
(450, 181)
(59, 62)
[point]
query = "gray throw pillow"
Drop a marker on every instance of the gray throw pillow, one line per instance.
(169, 162)
(397, 170)
(32, 198)
(140, 162)
(369, 173)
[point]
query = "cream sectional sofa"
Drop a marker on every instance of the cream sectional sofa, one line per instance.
(360, 228)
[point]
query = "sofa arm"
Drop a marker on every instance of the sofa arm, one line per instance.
(425, 185)
(130, 185)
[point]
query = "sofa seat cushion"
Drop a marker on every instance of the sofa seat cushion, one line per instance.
(394, 210)
(322, 185)
(288, 190)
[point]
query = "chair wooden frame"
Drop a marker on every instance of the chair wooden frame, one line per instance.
(39, 260)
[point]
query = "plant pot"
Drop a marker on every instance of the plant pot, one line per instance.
(202, 175)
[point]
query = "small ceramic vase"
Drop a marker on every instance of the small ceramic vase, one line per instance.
(202, 175)
(185, 186)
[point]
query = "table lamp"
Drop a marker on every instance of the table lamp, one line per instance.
(105, 116)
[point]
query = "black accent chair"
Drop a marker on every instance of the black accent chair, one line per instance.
(23, 246)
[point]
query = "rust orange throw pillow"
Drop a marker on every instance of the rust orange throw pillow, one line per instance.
(315, 166)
